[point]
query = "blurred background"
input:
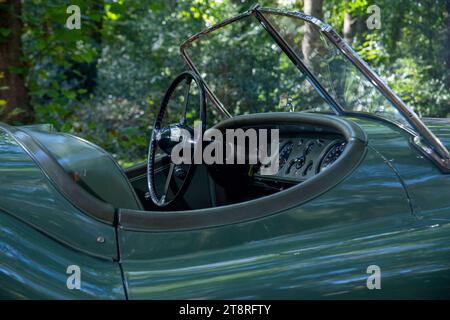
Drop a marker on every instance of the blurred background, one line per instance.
(104, 81)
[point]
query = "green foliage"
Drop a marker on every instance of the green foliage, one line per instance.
(429, 97)
(409, 50)
(105, 81)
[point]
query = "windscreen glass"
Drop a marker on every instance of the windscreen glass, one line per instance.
(338, 75)
(249, 73)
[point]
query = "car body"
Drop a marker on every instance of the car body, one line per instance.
(382, 203)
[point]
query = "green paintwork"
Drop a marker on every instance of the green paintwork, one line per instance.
(28, 195)
(441, 128)
(318, 250)
(33, 265)
(393, 211)
(41, 234)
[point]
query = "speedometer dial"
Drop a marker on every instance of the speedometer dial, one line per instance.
(285, 152)
(332, 155)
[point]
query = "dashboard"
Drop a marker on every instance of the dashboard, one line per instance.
(303, 156)
(311, 146)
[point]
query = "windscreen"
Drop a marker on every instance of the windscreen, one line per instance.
(249, 73)
(339, 76)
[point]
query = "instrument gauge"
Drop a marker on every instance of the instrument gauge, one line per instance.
(285, 152)
(332, 155)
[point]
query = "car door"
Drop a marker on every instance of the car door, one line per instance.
(321, 247)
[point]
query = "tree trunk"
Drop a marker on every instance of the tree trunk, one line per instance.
(12, 81)
(350, 25)
(311, 39)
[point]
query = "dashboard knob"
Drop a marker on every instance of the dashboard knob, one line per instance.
(299, 162)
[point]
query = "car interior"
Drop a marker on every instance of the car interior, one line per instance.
(310, 144)
(305, 151)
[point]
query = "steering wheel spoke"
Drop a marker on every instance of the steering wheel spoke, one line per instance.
(168, 179)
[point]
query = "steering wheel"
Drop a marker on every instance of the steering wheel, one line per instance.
(167, 137)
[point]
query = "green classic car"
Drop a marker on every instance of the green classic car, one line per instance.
(359, 207)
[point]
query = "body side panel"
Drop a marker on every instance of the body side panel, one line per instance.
(33, 266)
(27, 194)
(427, 186)
(319, 249)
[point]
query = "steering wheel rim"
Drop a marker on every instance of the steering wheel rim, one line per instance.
(161, 200)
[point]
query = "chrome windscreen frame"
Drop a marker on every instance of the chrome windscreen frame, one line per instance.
(187, 60)
(422, 137)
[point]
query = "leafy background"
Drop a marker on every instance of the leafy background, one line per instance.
(105, 81)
